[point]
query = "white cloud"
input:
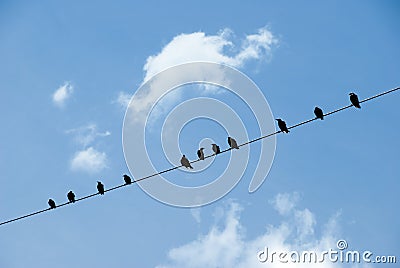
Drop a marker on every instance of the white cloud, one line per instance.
(89, 160)
(86, 135)
(123, 99)
(306, 222)
(285, 202)
(198, 46)
(63, 93)
(227, 246)
(195, 212)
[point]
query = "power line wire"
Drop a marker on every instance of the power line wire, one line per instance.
(194, 161)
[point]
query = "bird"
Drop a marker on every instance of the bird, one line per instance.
(71, 196)
(127, 179)
(100, 188)
(232, 142)
(282, 125)
(354, 100)
(51, 203)
(319, 113)
(185, 162)
(215, 148)
(200, 153)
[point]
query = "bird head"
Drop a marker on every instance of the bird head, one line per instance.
(183, 156)
(278, 119)
(201, 149)
(351, 93)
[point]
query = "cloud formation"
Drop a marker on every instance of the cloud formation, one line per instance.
(89, 160)
(123, 99)
(221, 48)
(62, 94)
(198, 46)
(86, 135)
(285, 202)
(227, 246)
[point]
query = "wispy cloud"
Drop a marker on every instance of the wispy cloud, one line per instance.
(62, 94)
(89, 160)
(285, 202)
(227, 246)
(195, 212)
(86, 135)
(123, 99)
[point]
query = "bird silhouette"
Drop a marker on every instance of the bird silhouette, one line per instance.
(282, 125)
(100, 188)
(200, 153)
(232, 143)
(215, 148)
(185, 162)
(51, 203)
(354, 100)
(319, 113)
(127, 179)
(71, 196)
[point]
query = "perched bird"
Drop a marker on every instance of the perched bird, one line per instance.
(232, 143)
(100, 188)
(51, 203)
(215, 148)
(71, 196)
(282, 125)
(185, 162)
(319, 113)
(200, 153)
(127, 179)
(354, 100)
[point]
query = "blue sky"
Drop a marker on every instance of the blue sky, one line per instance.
(330, 180)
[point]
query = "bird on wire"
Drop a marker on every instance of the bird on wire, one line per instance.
(319, 113)
(51, 203)
(71, 197)
(100, 188)
(127, 179)
(282, 125)
(185, 162)
(354, 100)
(200, 153)
(215, 149)
(232, 143)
